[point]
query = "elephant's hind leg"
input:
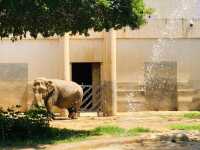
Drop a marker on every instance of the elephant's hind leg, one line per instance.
(72, 113)
(78, 107)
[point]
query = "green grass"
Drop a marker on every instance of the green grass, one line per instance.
(55, 135)
(110, 130)
(192, 115)
(117, 131)
(137, 131)
(187, 127)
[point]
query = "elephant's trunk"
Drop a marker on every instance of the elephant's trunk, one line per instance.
(38, 98)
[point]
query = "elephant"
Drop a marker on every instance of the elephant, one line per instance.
(63, 94)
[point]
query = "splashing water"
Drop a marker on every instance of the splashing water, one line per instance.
(131, 107)
(163, 48)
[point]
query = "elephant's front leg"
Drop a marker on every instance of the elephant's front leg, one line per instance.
(49, 106)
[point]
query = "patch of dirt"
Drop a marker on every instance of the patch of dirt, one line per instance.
(158, 121)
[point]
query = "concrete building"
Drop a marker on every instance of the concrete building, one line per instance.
(115, 58)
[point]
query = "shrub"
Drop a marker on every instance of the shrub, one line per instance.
(16, 125)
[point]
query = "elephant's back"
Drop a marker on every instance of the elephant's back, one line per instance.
(69, 93)
(68, 88)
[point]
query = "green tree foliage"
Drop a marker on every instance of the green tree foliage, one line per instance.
(55, 17)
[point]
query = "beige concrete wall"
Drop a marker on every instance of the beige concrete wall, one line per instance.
(86, 50)
(132, 53)
(156, 28)
(13, 82)
(44, 57)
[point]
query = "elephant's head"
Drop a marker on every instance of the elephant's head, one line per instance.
(41, 89)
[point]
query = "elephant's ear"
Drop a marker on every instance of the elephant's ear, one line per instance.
(34, 85)
(50, 86)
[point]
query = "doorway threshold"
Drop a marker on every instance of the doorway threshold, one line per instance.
(88, 114)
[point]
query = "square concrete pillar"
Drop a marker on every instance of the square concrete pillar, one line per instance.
(65, 40)
(109, 74)
(161, 85)
(96, 82)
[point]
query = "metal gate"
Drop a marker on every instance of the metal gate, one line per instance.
(92, 98)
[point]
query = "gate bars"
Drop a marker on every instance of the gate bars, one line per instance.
(92, 98)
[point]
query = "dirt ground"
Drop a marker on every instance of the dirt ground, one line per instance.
(158, 122)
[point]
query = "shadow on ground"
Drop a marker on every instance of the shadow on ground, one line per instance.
(50, 136)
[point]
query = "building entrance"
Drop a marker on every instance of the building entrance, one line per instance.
(88, 76)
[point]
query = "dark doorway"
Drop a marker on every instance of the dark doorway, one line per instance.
(88, 76)
(82, 73)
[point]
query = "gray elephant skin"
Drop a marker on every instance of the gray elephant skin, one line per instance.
(60, 93)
